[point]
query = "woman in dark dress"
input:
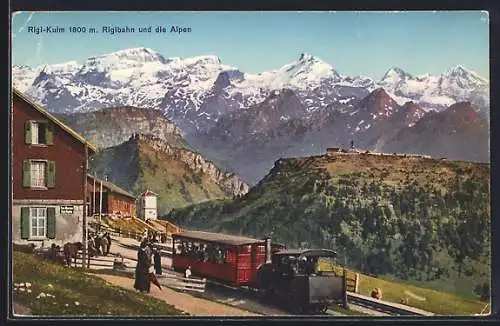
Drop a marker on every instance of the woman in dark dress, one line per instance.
(142, 269)
(157, 260)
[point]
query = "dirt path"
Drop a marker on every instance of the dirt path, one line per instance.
(182, 301)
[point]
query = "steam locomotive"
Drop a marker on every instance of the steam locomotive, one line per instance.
(289, 277)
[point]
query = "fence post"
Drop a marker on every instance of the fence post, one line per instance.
(344, 286)
(356, 283)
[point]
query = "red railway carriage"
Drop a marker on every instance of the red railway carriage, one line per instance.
(226, 258)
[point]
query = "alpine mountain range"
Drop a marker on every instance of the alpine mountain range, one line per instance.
(246, 121)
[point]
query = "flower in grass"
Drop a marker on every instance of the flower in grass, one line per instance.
(77, 303)
(41, 295)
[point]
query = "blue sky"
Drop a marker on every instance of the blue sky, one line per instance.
(354, 43)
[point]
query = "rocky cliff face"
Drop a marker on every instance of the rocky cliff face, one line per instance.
(179, 176)
(230, 182)
(113, 126)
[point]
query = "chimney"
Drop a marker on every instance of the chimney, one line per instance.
(268, 249)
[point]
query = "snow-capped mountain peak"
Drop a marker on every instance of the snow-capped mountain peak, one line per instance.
(395, 74)
(140, 54)
(203, 59)
(307, 72)
(460, 72)
(305, 57)
(62, 68)
(143, 77)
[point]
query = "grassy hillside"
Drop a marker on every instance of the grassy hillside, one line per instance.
(438, 302)
(137, 166)
(424, 221)
(172, 180)
(76, 293)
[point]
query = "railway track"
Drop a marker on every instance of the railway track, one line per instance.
(385, 307)
(235, 296)
(255, 303)
(358, 302)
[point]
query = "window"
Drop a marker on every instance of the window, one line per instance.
(38, 219)
(39, 174)
(38, 133)
(38, 223)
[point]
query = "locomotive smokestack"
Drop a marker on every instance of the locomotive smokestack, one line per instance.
(268, 249)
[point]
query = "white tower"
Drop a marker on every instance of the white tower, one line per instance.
(147, 206)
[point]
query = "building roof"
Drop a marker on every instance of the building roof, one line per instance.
(111, 187)
(148, 193)
(226, 239)
(44, 112)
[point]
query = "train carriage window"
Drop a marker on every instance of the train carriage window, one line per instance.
(211, 251)
(177, 247)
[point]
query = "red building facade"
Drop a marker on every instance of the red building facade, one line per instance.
(48, 175)
(115, 200)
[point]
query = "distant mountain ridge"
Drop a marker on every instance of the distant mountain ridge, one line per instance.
(195, 92)
(180, 176)
(458, 133)
(113, 126)
(231, 116)
(281, 127)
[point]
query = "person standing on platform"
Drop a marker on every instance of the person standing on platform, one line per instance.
(157, 260)
(142, 269)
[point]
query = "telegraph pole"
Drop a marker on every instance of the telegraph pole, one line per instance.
(93, 198)
(85, 227)
(100, 203)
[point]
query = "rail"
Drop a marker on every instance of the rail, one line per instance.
(385, 306)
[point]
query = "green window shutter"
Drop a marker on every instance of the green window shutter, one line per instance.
(50, 174)
(26, 173)
(51, 222)
(25, 222)
(49, 134)
(27, 132)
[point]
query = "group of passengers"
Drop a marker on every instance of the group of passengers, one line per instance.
(202, 252)
(155, 237)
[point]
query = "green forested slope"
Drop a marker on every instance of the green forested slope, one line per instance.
(423, 221)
